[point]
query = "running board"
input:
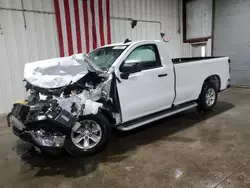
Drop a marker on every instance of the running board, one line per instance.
(143, 121)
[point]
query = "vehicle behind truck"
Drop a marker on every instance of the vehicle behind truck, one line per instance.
(75, 101)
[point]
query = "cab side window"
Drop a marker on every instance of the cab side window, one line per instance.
(146, 55)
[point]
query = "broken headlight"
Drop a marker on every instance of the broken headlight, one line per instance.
(41, 117)
(40, 110)
(53, 110)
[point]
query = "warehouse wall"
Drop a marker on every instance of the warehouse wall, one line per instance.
(164, 11)
(19, 45)
(39, 40)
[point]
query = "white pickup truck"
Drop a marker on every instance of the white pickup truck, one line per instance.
(75, 101)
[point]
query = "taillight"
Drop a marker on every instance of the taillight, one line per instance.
(229, 62)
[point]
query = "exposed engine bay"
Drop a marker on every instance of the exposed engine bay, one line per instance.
(61, 92)
(79, 98)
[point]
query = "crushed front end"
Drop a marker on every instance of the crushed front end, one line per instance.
(49, 114)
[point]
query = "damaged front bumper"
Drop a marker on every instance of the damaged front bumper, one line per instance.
(43, 130)
(38, 138)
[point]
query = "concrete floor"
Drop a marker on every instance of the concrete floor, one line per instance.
(188, 150)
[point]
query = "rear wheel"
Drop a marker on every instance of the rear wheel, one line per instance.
(208, 97)
(90, 137)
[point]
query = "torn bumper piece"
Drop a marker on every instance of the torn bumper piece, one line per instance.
(38, 138)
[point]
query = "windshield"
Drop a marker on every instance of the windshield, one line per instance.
(105, 57)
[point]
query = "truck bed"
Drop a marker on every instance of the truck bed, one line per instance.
(190, 59)
(190, 74)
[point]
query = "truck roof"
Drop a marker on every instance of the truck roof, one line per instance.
(133, 42)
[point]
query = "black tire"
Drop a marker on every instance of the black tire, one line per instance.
(202, 104)
(106, 129)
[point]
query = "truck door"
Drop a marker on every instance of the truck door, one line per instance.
(149, 85)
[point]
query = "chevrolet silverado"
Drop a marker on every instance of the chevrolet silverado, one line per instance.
(75, 101)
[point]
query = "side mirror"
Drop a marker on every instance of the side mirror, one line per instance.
(129, 68)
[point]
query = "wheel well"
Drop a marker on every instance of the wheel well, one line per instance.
(108, 116)
(215, 79)
(104, 113)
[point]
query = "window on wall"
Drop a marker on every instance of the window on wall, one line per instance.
(197, 20)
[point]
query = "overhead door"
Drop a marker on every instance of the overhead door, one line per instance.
(232, 37)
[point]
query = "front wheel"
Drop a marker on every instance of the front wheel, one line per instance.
(90, 137)
(208, 97)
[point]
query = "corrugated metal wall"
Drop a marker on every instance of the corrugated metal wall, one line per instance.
(19, 45)
(232, 37)
(39, 40)
(164, 11)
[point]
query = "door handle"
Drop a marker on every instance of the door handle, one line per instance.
(162, 75)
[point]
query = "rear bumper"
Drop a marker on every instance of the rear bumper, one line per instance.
(228, 85)
(38, 138)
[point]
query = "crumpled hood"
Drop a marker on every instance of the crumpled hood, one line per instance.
(58, 72)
